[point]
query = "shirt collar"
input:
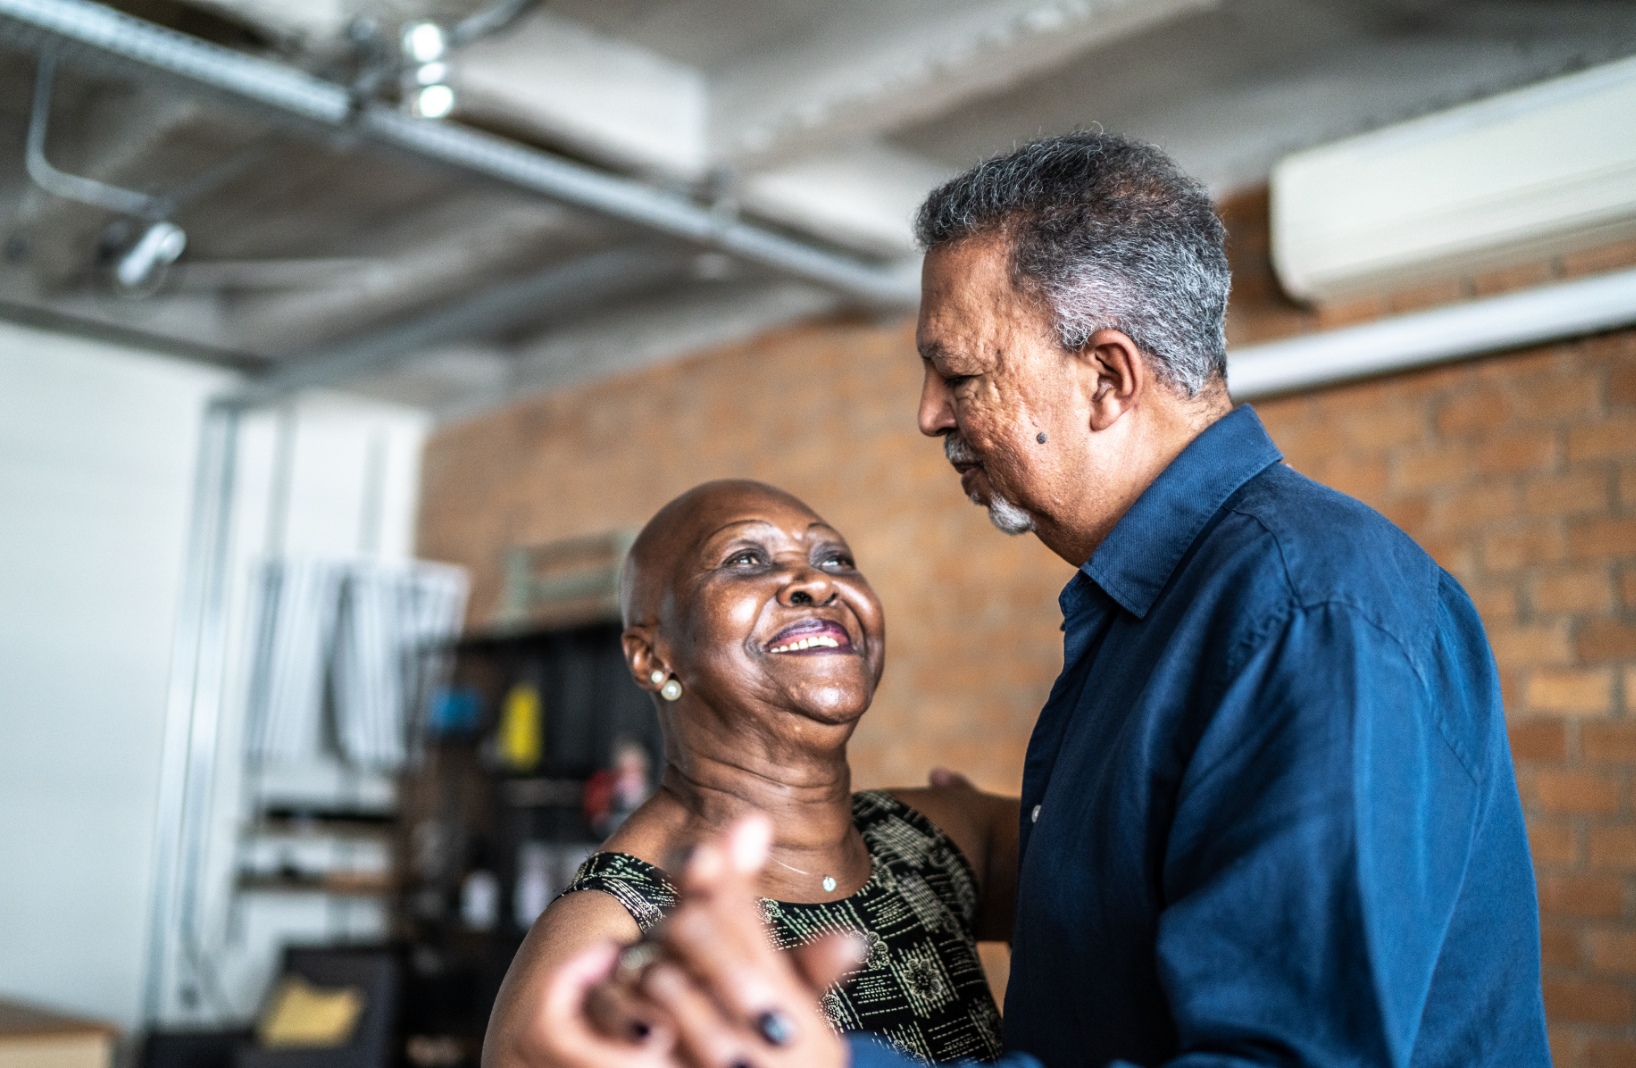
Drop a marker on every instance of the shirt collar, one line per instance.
(1138, 556)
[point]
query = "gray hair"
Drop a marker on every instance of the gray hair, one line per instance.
(1112, 235)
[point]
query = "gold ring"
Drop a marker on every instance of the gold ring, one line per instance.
(633, 958)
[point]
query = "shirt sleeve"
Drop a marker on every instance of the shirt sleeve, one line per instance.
(1319, 842)
(868, 1052)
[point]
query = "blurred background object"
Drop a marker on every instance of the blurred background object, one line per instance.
(343, 345)
(32, 1036)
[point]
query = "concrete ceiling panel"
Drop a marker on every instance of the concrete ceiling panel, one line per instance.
(826, 117)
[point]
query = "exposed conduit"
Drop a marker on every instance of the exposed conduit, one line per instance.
(1403, 342)
(98, 36)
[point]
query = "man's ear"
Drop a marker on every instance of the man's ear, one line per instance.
(641, 656)
(1118, 376)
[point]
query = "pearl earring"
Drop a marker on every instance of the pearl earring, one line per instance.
(657, 677)
(671, 690)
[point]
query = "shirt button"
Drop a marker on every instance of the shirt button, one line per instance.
(1034, 817)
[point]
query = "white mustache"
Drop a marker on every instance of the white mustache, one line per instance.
(958, 452)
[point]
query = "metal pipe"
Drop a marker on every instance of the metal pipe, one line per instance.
(577, 283)
(210, 673)
(1508, 321)
(193, 705)
(73, 186)
(105, 37)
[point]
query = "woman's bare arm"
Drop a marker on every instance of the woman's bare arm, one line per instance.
(516, 1037)
(984, 826)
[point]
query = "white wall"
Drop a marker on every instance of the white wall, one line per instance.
(326, 475)
(96, 467)
(97, 451)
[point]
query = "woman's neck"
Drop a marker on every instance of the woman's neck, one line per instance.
(808, 800)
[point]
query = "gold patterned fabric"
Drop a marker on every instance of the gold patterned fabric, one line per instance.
(922, 988)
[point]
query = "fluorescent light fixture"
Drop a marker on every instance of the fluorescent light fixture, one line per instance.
(1470, 328)
(432, 73)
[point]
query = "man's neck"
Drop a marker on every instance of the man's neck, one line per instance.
(1120, 474)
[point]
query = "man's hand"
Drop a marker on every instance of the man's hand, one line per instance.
(733, 1000)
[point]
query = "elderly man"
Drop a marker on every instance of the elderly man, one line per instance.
(1269, 813)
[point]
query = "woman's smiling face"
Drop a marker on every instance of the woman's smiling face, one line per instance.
(765, 607)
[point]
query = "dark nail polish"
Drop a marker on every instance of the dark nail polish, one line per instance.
(775, 1027)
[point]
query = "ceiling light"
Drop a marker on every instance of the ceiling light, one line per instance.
(434, 102)
(432, 73)
(423, 42)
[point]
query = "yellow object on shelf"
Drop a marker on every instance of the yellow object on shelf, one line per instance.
(521, 733)
(301, 1014)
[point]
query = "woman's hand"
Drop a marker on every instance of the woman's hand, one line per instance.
(730, 998)
(569, 1034)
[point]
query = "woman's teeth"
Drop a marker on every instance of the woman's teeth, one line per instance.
(820, 641)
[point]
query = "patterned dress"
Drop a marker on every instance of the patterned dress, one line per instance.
(922, 989)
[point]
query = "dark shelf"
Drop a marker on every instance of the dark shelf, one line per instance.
(296, 814)
(305, 826)
(339, 884)
(543, 793)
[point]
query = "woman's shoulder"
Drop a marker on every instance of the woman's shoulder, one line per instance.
(958, 814)
(644, 889)
(896, 827)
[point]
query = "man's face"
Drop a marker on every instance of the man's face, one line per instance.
(996, 378)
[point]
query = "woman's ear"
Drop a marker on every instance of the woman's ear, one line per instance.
(1116, 375)
(644, 662)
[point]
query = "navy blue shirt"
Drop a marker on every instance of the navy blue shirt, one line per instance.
(1268, 813)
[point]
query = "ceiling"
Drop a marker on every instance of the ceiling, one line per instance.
(819, 122)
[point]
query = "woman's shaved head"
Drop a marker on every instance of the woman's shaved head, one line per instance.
(754, 607)
(679, 527)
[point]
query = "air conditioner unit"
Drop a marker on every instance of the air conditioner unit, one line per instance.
(1512, 179)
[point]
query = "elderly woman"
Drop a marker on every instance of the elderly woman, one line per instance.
(748, 620)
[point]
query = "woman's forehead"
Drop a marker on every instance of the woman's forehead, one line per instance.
(749, 523)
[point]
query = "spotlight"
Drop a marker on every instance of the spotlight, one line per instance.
(425, 83)
(157, 248)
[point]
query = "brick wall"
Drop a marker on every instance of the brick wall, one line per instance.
(1517, 471)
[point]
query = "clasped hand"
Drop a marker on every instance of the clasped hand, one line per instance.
(706, 989)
